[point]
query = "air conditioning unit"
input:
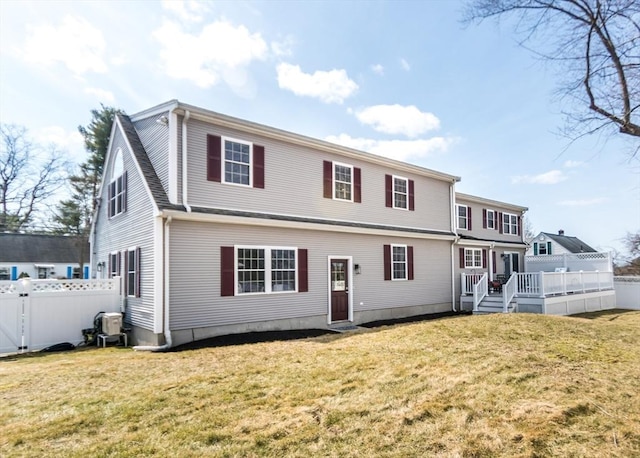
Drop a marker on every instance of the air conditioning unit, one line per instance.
(111, 324)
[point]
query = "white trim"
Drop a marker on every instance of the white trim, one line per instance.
(406, 262)
(232, 219)
(136, 272)
(490, 202)
(268, 249)
(473, 258)
(158, 273)
(349, 286)
(505, 214)
(466, 218)
(333, 181)
(393, 192)
(154, 111)
(495, 218)
(223, 161)
(173, 158)
(185, 175)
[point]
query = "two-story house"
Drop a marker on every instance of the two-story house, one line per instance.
(491, 237)
(219, 225)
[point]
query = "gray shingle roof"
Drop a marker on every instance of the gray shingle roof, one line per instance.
(39, 248)
(573, 244)
(151, 177)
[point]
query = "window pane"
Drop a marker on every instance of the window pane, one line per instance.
(283, 274)
(250, 270)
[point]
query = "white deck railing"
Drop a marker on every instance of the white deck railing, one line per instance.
(467, 281)
(480, 290)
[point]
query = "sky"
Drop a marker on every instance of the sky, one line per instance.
(402, 79)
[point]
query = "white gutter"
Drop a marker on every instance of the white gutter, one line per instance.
(452, 199)
(167, 331)
(187, 115)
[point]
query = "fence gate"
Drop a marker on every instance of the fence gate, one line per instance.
(14, 309)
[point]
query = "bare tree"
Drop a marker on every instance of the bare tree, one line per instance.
(29, 175)
(598, 43)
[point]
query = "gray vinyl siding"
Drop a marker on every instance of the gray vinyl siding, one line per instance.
(195, 299)
(476, 223)
(294, 185)
(133, 228)
(155, 139)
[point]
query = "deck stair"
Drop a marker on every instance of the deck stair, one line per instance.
(493, 304)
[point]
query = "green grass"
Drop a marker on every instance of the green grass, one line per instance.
(496, 385)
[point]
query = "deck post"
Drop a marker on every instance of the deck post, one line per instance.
(541, 283)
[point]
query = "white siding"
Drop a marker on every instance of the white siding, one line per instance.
(133, 228)
(294, 185)
(195, 299)
(155, 139)
(476, 223)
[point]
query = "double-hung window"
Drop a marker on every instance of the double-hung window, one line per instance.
(132, 272)
(509, 224)
(472, 258)
(117, 187)
(114, 264)
(400, 193)
(491, 219)
(463, 219)
(399, 262)
(266, 269)
(342, 181)
(237, 162)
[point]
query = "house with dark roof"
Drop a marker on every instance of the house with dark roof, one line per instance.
(40, 257)
(218, 225)
(549, 243)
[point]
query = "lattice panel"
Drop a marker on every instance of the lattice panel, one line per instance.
(8, 287)
(72, 285)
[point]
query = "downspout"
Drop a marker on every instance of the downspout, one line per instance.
(452, 199)
(167, 331)
(187, 115)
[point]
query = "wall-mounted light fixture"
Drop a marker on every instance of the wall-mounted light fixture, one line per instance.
(356, 269)
(100, 266)
(163, 120)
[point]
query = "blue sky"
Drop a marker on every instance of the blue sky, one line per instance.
(402, 79)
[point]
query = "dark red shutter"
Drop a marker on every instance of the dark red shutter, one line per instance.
(388, 190)
(110, 197)
(124, 192)
(496, 225)
(214, 158)
(303, 271)
(484, 259)
(500, 222)
(125, 277)
(109, 274)
(410, 262)
(328, 179)
(519, 225)
(387, 262)
(258, 166)
(484, 218)
(138, 271)
(412, 197)
(469, 218)
(357, 185)
(495, 264)
(227, 271)
(462, 258)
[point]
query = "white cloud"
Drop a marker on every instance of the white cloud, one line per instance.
(188, 11)
(573, 164)
(71, 142)
(551, 177)
(220, 50)
(330, 87)
(75, 42)
(378, 69)
(398, 119)
(282, 48)
(401, 150)
(582, 202)
(102, 95)
(404, 64)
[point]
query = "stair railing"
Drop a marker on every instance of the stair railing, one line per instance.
(480, 290)
(509, 292)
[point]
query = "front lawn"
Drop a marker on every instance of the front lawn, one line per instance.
(495, 385)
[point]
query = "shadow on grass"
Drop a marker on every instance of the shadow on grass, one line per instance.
(610, 315)
(272, 336)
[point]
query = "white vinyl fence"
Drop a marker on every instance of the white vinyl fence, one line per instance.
(627, 292)
(573, 262)
(35, 314)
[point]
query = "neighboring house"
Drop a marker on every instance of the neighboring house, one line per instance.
(491, 237)
(547, 243)
(40, 257)
(218, 225)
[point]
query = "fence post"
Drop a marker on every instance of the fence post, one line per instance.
(463, 283)
(541, 283)
(25, 336)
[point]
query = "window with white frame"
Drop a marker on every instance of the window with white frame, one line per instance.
(117, 186)
(509, 223)
(399, 262)
(237, 162)
(114, 265)
(342, 181)
(473, 258)
(266, 269)
(400, 192)
(491, 219)
(542, 248)
(463, 222)
(5, 273)
(132, 272)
